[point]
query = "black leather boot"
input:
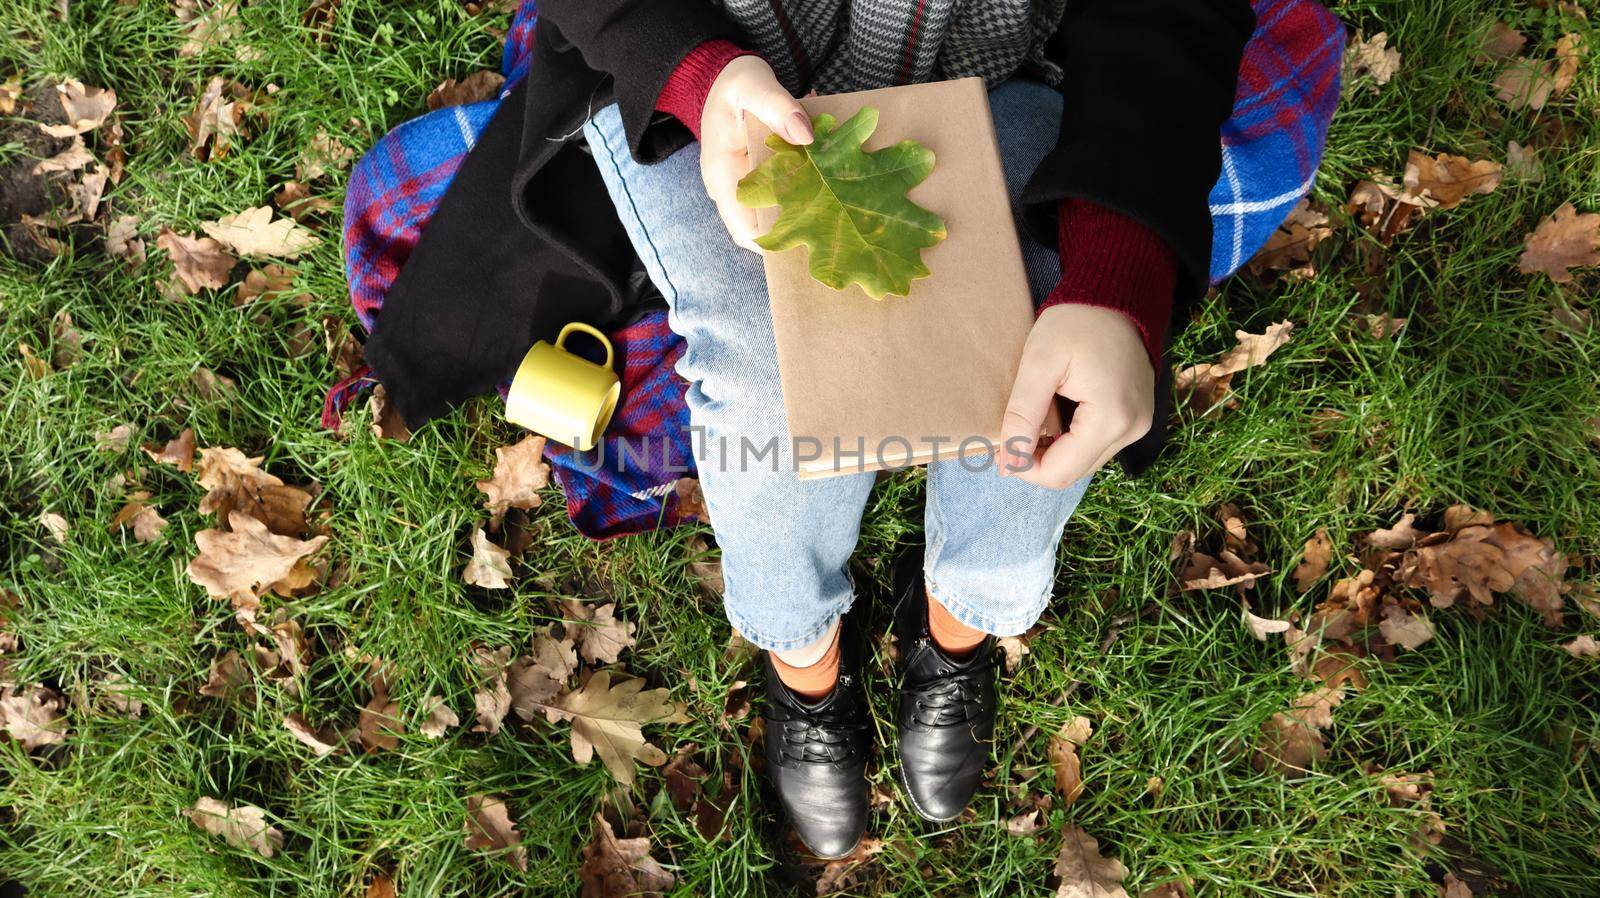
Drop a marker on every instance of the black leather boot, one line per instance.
(817, 753)
(947, 706)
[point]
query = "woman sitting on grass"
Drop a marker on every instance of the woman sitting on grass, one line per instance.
(1107, 113)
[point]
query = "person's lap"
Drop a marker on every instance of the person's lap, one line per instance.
(785, 541)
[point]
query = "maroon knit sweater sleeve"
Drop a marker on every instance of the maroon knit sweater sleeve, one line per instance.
(1110, 260)
(1107, 259)
(684, 94)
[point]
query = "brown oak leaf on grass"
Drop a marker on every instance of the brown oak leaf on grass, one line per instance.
(607, 720)
(227, 677)
(489, 828)
(1444, 181)
(1372, 56)
(236, 482)
(1064, 758)
(244, 563)
(599, 634)
(475, 88)
(144, 520)
(207, 24)
(85, 108)
(255, 232)
(217, 119)
(1288, 249)
(614, 867)
(1414, 793)
(490, 565)
(1314, 561)
(1205, 386)
(198, 262)
(321, 156)
(492, 700)
(519, 473)
(244, 826)
(1084, 871)
(1562, 241)
(1582, 646)
(34, 716)
(1500, 41)
(386, 421)
(1530, 84)
(536, 678)
(322, 741)
(436, 717)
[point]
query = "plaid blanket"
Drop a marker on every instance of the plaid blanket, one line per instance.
(1271, 146)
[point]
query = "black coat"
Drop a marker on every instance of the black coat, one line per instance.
(526, 239)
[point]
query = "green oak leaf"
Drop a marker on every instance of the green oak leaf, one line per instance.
(849, 207)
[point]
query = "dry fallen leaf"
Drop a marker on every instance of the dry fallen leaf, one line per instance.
(244, 826)
(1064, 758)
(1501, 41)
(217, 119)
(1289, 744)
(254, 232)
(1454, 888)
(144, 520)
(1372, 56)
(34, 716)
(247, 562)
(618, 867)
(86, 108)
(490, 565)
(322, 155)
(436, 718)
(1206, 385)
(265, 283)
(1261, 627)
(1443, 181)
(386, 421)
(1289, 247)
(207, 24)
(1582, 646)
(492, 700)
(534, 679)
(489, 828)
(55, 525)
(72, 158)
(1084, 872)
(519, 473)
(1562, 241)
(600, 636)
(322, 741)
(607, 721)
(227, 676)
(1401, 627)
(1313, 561)
(475, 88)
(1530, 84)
(1204, 571)
(235, 482)
(199, 262)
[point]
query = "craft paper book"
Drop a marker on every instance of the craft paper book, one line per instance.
(908, 379)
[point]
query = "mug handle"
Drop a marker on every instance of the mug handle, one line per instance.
(591, 331)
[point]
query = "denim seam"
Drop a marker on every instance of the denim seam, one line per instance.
(622, 185)
(761, 640)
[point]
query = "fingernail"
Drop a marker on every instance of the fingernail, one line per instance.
(799, 128)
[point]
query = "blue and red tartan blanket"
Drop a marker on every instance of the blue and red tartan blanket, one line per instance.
(1271, 146)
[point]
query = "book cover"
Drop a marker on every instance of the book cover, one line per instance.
(905, 380)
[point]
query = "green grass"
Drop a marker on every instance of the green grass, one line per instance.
(1469, 404)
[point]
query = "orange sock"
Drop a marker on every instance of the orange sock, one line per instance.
(816, 679)
(956, 638)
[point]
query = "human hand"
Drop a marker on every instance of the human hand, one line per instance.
(747, 85)
(1096, 357)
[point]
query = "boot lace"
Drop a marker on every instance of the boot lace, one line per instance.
(954, 698)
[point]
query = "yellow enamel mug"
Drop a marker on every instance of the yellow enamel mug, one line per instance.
(565, 397)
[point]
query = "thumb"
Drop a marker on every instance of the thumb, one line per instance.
(780, 112)
(1031, 395)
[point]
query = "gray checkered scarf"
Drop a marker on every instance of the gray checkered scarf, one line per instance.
(841, 45)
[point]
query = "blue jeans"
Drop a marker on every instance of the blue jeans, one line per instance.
(991, 541)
